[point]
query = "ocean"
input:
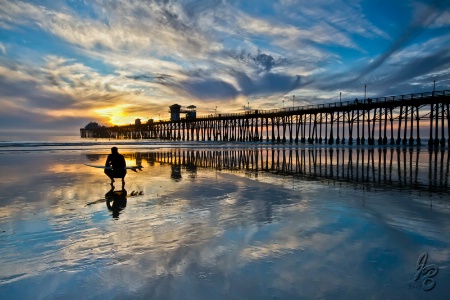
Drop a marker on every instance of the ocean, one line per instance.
(216, 220)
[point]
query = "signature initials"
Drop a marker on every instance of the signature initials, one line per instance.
(425, 273)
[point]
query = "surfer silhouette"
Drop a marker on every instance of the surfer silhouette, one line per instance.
(118, 166)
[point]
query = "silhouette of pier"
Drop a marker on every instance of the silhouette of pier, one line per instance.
(393, 120)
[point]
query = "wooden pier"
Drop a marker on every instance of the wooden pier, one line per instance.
(393, 120)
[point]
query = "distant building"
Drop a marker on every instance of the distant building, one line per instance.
(92, 125)
(191, 113)
(137, 122)
(175, 111)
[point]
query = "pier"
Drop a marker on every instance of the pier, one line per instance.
(392, 120)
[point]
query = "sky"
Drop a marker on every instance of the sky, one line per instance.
(66, 63)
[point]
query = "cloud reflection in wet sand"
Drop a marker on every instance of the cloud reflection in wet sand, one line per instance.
(221, 234)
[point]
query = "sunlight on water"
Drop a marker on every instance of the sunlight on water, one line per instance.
(223, 223)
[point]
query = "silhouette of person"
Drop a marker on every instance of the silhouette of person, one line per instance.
(118, 164)
(116, 201)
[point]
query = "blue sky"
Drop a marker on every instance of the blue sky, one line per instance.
(66, 63)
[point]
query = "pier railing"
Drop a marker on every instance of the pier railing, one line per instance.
(367, 101)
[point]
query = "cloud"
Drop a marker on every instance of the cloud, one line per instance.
(412, 71)
(260, 61)
(268, 83)
(431, 14)
(61, 88)
(28, 92)
(442, 20)
(340, 20)
(119, 26)
(424, 17)
(265, 61)
(138, 57)
(207, 88)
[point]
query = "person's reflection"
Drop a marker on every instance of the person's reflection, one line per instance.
(116, 201)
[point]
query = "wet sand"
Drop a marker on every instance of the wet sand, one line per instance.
(202, 229)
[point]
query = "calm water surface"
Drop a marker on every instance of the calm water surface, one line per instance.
(226, 223)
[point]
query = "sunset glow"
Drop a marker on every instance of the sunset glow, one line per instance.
(116, 115)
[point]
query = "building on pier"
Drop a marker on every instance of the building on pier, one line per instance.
(175, 111)
(191, 113)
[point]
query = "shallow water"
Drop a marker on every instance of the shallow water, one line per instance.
(221, 223)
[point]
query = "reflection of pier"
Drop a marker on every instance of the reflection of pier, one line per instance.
(385, 120)
(379, 167)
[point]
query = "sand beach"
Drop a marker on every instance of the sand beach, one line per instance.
(226, 223)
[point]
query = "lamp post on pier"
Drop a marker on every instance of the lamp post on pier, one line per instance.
(365, 89)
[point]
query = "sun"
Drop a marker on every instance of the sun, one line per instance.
(116, 115)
